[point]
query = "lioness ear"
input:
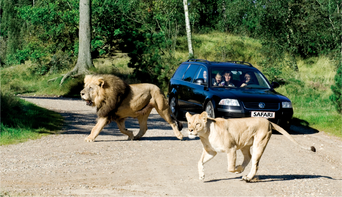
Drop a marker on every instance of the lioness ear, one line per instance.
(204, 116)
(188, 115)
(101, 82)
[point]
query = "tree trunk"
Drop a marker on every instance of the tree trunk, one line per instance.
(84, 61)
(188, 29)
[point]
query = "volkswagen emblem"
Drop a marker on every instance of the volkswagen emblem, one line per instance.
(261, 105)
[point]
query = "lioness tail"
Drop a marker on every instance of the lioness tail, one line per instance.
(286, 134)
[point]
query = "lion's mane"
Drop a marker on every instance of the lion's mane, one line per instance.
(110, 96)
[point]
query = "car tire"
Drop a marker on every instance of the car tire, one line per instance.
(174, 107)
(209, 108)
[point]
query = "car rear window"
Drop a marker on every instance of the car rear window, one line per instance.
(189, 74)
(180, 71)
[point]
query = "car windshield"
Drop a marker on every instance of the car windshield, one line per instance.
(237, 78)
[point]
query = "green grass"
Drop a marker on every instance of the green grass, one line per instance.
(22, 120)
(309, 91)
(220, 47)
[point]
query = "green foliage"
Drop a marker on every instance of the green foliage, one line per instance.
(146, 31)
(25, 120)
(53, 28)
(11, 26)
(336, 97)
(308, 28)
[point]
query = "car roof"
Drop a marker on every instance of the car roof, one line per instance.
(233, 64)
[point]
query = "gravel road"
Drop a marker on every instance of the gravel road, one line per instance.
(159, 164)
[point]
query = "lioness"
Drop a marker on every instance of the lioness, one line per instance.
(230, 135)
(115, 101)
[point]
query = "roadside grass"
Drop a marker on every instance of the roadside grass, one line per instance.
(309, 91)
(22, 120)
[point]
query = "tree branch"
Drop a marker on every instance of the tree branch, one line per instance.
(68, 74)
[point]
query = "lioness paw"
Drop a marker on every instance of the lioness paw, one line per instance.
(239, 169)
(89, 139)
(180, 137)
(245, 178)
(201, 177)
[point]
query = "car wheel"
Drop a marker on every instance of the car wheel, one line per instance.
(209, 108)
(174, 107)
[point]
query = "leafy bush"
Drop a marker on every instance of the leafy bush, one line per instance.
(336, 97)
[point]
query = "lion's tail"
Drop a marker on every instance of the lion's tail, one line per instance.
(288, 136)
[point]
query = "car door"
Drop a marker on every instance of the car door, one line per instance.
(200, 88)
(186, 89)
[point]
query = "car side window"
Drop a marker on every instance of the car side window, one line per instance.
(201, 76)
(180, 71)
(189, 74)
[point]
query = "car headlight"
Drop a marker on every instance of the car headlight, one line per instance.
(229, 102)
(286, 104)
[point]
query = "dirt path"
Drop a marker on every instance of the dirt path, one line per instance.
(159, 164)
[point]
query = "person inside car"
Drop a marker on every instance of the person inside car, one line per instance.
(205, 76)
(218, 80)
(247, 80)
(228, 79)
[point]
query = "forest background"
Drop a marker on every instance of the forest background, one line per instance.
(294, 42)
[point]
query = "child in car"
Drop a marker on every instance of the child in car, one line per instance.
(218, 80)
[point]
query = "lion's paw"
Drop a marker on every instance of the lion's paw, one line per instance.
(89, 139)
(135, 138)
(201, 177)
(131, 138)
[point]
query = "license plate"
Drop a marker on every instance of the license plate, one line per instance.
(263, 114)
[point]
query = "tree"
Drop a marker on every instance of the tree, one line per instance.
(188, 29)
(84, 60)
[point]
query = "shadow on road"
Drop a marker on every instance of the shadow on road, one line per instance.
(273, 178)
(149, 138)
(80, 123)
(299, 127)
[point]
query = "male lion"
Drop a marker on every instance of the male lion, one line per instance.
(230, 135)
(115, 101)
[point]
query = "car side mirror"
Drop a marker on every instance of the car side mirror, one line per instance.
(201, 82)
(275, 85)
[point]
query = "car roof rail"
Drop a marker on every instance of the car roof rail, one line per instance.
(198, 60)
(242, 62)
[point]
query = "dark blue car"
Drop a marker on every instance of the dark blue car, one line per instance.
(228, 90)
